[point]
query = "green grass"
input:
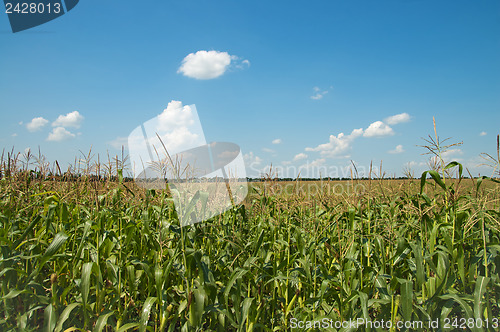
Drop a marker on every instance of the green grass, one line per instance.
(107, 256)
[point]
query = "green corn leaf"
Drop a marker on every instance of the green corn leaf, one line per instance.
(245, 307)
(453, 164)
(49, 319)
(437, 178)
(419, 263)
(145, 312)
(479, 291)
(14, 293)
(237, 274)
(102, 321)
(65, 315)
(54, 246)
(407, 299)
(127, 327)
(85, 283)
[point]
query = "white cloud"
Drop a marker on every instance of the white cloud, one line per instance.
(452, 153)
(73, 119)
(300, 156)
(318, 93)
(175, 116)
(483, 133)
(317, 162)
(311, 167)
(14, 135)
(398, 118)
(338, 146)
(178, 127)
(118, 142)
(206, 65)
(378, 129)
(252, 164)
(251, 158)
(36, 124)
(414, 163)
(59, 134)
(268, 150)
(277, 141)
(397, 149)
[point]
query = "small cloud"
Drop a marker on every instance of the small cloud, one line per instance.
(241, 64)
(119, 142)
(36, 124)
(378, 129)
(451, 153)
(277, 141)
(398, 149)
(286, 162)
(398, 118)
(252, 161)
(483, 133)
(206, 65)
(14, 135)
(314, 164)
(59, 134)
(300, 156)
(318, 93)
(21, 123)
(268, 150)
(338, 146)
(73, 119)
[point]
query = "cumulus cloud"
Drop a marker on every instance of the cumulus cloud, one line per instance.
(318, 93)
(314, 163)
(178, 126)
(397, 149)
(339, 145)
(73, 119)
(59, 134)
(253, 164)
(483, 133)
(398, 118)
(277, 141)
(300, 156)
(206, 65)
(452, 153)
(268, 150)
(175, 115)
(119, 142)
(36, 124)
(378, 129)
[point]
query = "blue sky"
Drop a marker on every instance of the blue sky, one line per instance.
(322, 79)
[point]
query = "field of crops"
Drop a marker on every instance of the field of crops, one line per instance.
(87, 254)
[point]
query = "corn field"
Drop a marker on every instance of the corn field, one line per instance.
(97, 253)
